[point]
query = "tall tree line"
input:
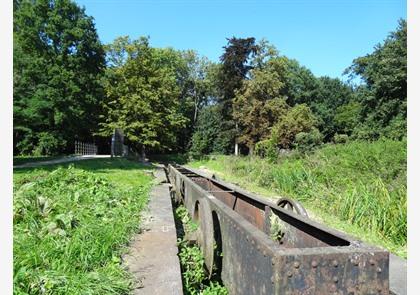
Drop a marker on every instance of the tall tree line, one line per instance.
(58, 64)
(68, 86)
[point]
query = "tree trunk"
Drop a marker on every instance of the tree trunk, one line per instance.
(236, 141)
(236, 149)
(195, 106)
(251, 150)
(142, 153)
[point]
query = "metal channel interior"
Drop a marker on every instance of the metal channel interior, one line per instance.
(298, 232)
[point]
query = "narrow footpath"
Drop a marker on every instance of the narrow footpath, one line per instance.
(152, 257)
(61, 160)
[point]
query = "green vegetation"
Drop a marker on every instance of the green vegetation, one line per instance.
(142, 83)
(265, 97)
(68, 86)
(358, 187)
(194, 274)
(71, 225)
(58, 64)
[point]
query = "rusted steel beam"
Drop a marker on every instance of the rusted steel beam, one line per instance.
(305, 257)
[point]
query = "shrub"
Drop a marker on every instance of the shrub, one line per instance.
(340, 138)
(298, 119)
(266, 149)
(49, 144)
(306, 141)
(76, 225)
(397, 128)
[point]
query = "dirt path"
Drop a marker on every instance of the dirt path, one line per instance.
(61, 160)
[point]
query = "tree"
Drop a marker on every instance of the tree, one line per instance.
(296, 120)
(384, 94)
(58, 63)
(208, 136)
(143, 94)
(347, 117)
(197, 90)
(331, 97)
(300, 84)
(259, 103)
(235, 67)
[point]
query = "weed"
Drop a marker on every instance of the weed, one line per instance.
(182, 214)
(194, 274)
(71, 227)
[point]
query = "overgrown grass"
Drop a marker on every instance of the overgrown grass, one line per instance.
(358, 187)
(72, 223)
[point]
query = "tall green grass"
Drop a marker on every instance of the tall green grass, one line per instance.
(360, 183)
(71, 226)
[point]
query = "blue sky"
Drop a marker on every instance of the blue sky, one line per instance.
(323, 35)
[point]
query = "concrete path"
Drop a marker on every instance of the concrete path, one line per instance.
(61, 160)
(397, 275)
(153, 253)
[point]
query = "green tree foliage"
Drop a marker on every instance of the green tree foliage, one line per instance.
(259, 103)
(384, 95)
(235, 67)
(296, 120)
(330, 97)
(143, 94)
(347, 117)
(197, 90)
(323, 95)
(306, 141)
(58, 62)
(300, 83)
(209, 136)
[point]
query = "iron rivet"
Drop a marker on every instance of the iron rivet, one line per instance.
(296, 264)
(314, 264)
(379, 270)
(289, 274)
(335, 263)
(335, 279)
(273, 262)
(372, 262)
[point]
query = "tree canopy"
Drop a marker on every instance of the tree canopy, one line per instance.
(143, 93)
(68, 86)
(384, 95)
(58, 64)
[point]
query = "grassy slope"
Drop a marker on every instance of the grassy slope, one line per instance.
(359, 188)
(71, 225)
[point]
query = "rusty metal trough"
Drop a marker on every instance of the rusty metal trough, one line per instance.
(235, 234)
